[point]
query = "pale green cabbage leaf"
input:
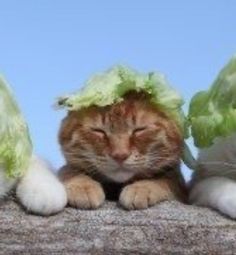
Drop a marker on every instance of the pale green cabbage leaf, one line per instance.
(15, 142)
(109, 87)
(212, 113)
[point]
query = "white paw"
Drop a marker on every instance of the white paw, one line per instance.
(40, 191)
(218, 193)
(227, 205)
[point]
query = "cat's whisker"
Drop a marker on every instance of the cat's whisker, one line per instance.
(85, 156)
(154, 164)
(160, 155)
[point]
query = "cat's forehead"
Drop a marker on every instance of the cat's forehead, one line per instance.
(125, 114)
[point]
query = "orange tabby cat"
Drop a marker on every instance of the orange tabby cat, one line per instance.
(128, 151)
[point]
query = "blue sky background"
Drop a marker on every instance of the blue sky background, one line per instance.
(48, 48)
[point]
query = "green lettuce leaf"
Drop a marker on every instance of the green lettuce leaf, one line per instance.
(15, 143)
(212, 113)
(109, 87)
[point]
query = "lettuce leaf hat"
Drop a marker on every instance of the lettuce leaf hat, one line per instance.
(109, 87)
(15, 143)
(212, 113)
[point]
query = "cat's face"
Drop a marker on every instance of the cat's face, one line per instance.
(131, 138)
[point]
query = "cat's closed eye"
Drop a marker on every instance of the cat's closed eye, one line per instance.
(99, 132)
(139, 130)
(102, 133)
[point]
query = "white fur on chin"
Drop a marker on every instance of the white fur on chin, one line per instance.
(40, 191)
(120, 176)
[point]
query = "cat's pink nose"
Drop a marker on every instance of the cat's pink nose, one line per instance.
(120, 156)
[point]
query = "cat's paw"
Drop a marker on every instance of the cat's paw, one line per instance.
(140, 195)
(39, 190)
(86, 194)
(227, 205)
(218, 193)
(43, 199)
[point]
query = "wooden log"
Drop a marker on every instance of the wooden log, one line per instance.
(168, 228)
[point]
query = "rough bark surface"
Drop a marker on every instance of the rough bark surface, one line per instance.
(168, 228)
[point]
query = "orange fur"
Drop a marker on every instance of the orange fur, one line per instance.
(131, 143)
